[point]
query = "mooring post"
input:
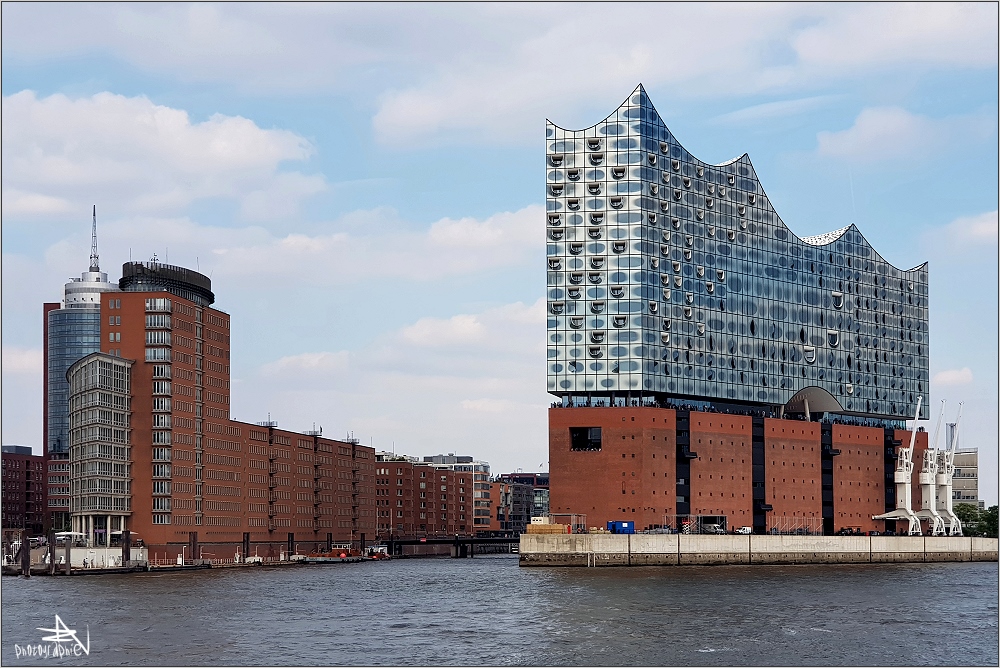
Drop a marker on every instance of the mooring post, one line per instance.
(52, 552)
(126, 547)
(25, 554)
(68, 564)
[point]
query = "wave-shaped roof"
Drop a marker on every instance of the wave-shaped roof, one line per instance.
(633, 108)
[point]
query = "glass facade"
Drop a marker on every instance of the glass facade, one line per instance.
(670, 278)
(74, 333)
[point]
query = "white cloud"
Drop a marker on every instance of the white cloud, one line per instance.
(961, 376)
(61, 154)
(361, 246)
(777, 109)
(981, 229)
(493, 70)
(381, 247)
(457, 330)
(487, 405)
(292, 367)
(882, 133)
(472, 383)
(22, 360)
(20, 203)
(964, 237)
(874, 35)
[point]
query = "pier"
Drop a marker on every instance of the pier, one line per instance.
(688, 550)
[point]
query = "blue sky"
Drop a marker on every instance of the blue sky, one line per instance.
(364, 183)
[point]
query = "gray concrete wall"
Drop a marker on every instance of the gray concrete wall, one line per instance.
(680, 549)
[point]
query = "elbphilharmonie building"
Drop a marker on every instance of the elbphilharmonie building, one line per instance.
(674, 280)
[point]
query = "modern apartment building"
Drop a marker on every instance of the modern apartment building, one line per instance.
(153, 408)
(705, 359)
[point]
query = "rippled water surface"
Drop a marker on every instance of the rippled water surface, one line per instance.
(488, 611)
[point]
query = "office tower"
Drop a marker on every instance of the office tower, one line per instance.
(72, 330)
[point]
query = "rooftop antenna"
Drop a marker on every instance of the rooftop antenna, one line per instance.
(95, 263)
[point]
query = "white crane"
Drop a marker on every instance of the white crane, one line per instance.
(946, 469)
(928, 480)
(903, 479)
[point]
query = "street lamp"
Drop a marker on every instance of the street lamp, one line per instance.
(183, 548)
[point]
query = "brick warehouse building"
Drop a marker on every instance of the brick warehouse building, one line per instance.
(413, 499)
(23, 491)
(709, 363)
(152, 444)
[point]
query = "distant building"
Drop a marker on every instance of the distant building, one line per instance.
(23, 491)
(513, 503)
(965, 481)
(481, 483)
(429, 498)
(540, 483)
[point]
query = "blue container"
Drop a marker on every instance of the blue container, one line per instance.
(621, 527)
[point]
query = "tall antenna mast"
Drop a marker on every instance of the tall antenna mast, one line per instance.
(95, 263)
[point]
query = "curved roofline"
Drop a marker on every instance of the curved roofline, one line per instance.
(746, 157)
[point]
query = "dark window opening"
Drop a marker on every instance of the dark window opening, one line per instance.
(585, 438)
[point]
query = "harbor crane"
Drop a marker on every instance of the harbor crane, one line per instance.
(928, 481)
(945, 472)
(903, 478)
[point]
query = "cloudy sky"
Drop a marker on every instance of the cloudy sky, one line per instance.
(364, 183)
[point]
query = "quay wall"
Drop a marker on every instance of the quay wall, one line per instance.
(688, 550)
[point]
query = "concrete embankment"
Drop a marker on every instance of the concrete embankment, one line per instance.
(687, 550)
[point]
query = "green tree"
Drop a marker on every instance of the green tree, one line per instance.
(989, 522)
(969, 515)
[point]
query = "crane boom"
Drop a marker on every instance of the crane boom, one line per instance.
(945, 474)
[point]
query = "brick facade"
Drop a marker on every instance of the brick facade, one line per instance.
(632, 476)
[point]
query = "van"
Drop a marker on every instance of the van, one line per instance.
(744, 530)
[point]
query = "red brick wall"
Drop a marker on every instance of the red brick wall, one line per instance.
(858, 475)
(793, 485)
(722, 476)
(632, 477)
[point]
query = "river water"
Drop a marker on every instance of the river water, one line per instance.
(488, 611)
